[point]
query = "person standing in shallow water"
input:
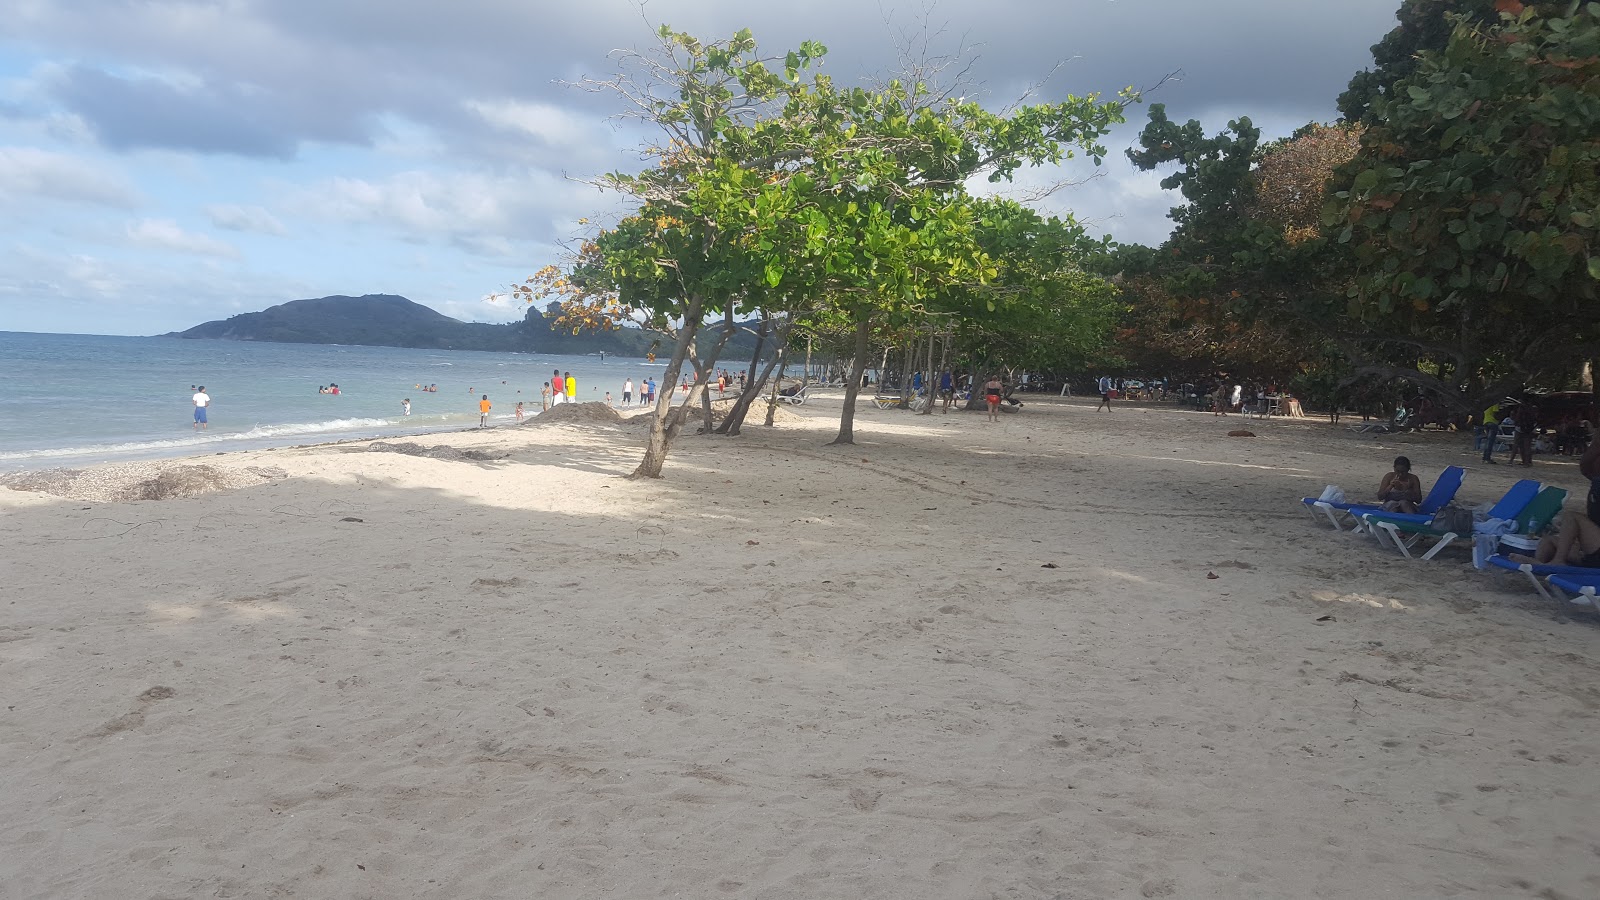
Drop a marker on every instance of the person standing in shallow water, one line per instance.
(201, 401)
(483, 411)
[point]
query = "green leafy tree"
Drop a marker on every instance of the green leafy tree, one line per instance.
(1471, 209)
(1425, 25)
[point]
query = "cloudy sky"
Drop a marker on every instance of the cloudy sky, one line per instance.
(166, 162)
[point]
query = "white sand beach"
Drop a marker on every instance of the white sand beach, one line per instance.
(957, 660)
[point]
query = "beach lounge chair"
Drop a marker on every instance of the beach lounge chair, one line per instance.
(1384, 527)
(1534, 519)
(795, 396)
(1444, 490)
(1581, 587)
(1536, 571)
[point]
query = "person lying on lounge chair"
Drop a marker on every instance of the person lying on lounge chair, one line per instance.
(1400, 490)
(1577, 543)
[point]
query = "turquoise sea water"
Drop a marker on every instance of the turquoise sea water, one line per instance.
(73, 400)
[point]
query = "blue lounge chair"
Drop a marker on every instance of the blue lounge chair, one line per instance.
(1387, 525)
(1535, 571)
(1444, 490)
(1581, 587)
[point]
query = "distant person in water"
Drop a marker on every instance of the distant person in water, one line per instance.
(333, 389)
(406, 405)
(483, 411)
(201, 401)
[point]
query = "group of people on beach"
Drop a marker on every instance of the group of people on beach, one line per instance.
(647, 391)
(561, 388)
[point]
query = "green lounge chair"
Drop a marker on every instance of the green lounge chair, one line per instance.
(1534, 519)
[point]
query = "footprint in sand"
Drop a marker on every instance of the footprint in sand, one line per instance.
(136, 718)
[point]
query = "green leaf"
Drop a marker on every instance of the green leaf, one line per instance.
(1367, 180)
(1594, 267)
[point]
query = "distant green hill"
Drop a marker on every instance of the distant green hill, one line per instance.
(386, 320)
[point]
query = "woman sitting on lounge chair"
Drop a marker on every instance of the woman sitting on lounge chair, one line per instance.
(1400, 490)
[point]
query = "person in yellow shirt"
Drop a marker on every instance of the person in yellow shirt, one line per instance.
(483, 411)
(572, 388)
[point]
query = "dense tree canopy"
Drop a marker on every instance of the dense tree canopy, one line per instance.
(1472, 206)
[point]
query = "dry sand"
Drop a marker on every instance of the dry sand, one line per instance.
(790, 670)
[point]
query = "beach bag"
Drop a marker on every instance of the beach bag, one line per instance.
(1454, 518)
(1332, 494)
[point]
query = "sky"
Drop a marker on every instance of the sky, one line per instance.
(169, 162)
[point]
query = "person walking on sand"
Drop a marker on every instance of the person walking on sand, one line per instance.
(992, 390)
(1527, 419)
(1105, 394)
(201, 401)
(572, 388)
(650, 392)
(406, 405)
(483, 411)
(627, 391)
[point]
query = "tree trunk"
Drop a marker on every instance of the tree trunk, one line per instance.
(704, 371)
(975, 401)
(852, 387)
(655, 451)
(905, 372)
(754, 384)
(772, 401)
(735, 417)
(928, 376)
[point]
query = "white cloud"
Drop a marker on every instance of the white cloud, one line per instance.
(164, 234)
(31, 172)
(245, 218)
(548, 123)
(490, 215)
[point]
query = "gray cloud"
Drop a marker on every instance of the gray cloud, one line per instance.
(272, 74)
(138, 113)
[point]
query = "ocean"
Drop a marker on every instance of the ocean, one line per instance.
(76, 400)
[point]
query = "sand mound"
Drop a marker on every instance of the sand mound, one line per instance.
(139, 481)
(437, 452)
(579, 413)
